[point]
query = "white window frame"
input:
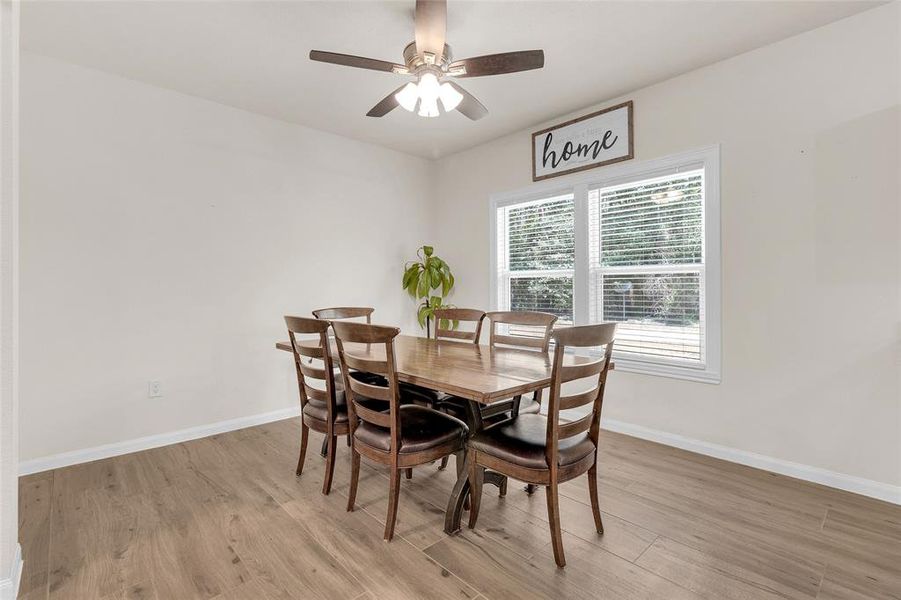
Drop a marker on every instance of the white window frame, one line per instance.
(706, 158)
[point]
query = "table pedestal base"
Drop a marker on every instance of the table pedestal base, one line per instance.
(458, 500)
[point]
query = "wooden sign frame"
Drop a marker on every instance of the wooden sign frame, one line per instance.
(631, 142)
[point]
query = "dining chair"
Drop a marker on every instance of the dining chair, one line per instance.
(542, 450)
(342, 313)
(454, 317)
(383, 430)
(525, 329)
(323, 409)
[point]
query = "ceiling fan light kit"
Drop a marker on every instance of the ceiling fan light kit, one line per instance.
(429, 60)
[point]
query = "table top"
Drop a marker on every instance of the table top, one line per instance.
(468, 370)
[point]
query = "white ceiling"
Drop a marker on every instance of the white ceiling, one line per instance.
(253, 54)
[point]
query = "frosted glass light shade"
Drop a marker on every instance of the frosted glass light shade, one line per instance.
(428, 107)
(450, 97)
(408, 96)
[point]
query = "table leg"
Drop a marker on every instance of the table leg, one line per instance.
(324, 450)
(455, 503)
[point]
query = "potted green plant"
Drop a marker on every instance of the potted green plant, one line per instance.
(429, 280)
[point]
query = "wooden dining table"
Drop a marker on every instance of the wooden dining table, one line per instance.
(480, 374)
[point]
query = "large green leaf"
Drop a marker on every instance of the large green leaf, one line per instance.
(422, 289)
(428, 250)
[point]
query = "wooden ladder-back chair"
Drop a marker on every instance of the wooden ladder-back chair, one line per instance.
(449, 316)
(383, 430)
(323, 409)
(542, 450)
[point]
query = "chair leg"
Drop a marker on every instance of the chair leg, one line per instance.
(393, 493)
(593, 492)
(354, 479)
(443, 464)
(408, 473)
(476, 477)
(348, 440)
(530, 488)
(331, 451)
(304, 437)
(324, 450)
(553, 517)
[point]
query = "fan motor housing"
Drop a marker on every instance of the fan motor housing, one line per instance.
(413, 60)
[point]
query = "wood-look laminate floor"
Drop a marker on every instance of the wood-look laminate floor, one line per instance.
(224, 517)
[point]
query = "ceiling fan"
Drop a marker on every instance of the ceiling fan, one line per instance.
(429, 59)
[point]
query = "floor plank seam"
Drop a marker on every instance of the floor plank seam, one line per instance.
(654, 541)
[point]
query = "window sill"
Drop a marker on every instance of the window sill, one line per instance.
(672, 371)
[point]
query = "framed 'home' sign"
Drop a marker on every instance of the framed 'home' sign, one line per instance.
(598, 139)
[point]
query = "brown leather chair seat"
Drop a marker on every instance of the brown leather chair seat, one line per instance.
(420, 429)
(522, 442)
(315, 409)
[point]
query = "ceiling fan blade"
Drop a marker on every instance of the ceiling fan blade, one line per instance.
(498, 64)
(469, 106)
(387, 104)
(360, 62)
(431, 26)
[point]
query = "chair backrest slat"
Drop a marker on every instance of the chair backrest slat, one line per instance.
(305, 351)
(367, 390)
(382, 419)
(344, 312)
(310, 371)
(310, 351)
(520, 340)
(542, 323)
(367, 365)
(577, 400)
(587, 336)
(582, 370)
(352, 338)
(314, 393)
(460, 315)
(568, 430)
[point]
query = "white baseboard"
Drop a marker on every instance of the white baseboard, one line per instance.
(75, 457)
(858, 485)
(850, 483)
(9, 587)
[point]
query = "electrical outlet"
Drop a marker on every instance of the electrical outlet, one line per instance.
(154, 389)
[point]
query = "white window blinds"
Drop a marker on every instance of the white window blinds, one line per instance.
(536, 252)
(646, 265)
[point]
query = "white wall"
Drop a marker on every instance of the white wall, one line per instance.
(10, 559)
(809, 129)
(164, 236)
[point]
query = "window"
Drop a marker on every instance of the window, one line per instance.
(537, 245)
(637, 244)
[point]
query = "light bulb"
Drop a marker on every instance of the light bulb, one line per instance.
(408, 96)
(428, 87)
(450, 97)
(428, 107)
